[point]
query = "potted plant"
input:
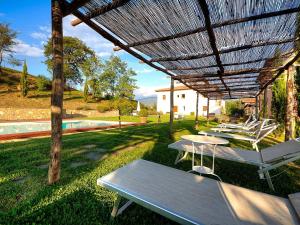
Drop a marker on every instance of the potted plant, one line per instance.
(143, 115)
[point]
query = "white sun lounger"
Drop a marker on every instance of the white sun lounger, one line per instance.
(267, 159)
(191, 199)
(262, 132)
(251, 130)
(251, 119)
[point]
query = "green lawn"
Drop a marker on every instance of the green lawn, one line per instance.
(76, 199)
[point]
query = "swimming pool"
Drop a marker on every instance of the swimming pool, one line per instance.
(28, 127)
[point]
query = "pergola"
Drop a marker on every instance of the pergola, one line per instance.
(219, 48)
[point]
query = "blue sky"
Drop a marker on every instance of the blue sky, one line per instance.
(31, 19)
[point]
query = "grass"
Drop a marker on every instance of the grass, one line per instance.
(76, 199)
(11, 96)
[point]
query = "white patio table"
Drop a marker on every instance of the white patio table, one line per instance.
(202, 140)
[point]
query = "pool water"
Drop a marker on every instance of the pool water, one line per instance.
(26, 127)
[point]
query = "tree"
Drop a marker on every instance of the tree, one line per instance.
(91, 68)
(117, 80)
(279, 91)
(124, 107)
(43, 83)
(7, 41)
(75, 53)
(24, 81)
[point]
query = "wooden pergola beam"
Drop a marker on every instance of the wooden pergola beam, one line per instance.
(212, 40)
(216, 25)
(243, 47)
(99, 11)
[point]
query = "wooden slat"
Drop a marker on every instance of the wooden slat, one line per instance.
(243, 47)
(216, 25)
(227, 64)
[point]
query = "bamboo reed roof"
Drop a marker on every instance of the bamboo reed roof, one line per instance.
(216, 47)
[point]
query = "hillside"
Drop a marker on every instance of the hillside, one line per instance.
(10, 79)
(10, 95)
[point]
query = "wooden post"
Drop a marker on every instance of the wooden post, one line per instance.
(269, 101)
(265, 102)
(256, 107)
(290, 121)
(57, 91)
(171, 107)
(197, 106)
(207, 114)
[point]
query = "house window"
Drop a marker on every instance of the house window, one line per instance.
(218, 102)
(164, 97)
(183, 108)
(177, 96)
(183, 96)
(204, 108)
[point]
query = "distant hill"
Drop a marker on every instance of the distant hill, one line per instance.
(148, 101)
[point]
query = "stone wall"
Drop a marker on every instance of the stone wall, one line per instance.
(37, 114)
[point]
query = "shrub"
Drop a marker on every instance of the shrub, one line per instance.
(143, 113)
(105, 106)
(234, 108)
(43, 83)
(85, 107)
(124, 105)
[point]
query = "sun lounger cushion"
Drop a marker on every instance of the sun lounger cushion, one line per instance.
(192, 199)
(278, 151)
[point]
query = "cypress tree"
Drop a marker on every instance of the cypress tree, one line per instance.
(24, 81)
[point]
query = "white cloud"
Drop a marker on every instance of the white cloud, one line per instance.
(103, 54)
(22, 48)
(102, 46)
(39, 36)
(144, 71)
(143, 92)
